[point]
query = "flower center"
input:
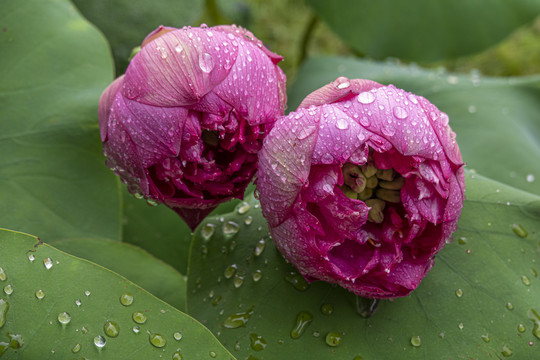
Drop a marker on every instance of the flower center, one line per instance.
(375, 187)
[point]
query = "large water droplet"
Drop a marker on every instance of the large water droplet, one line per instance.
(126, 298)
(230, 271)
(238, 319)
(157, 340)
(207, 231)
(506, 351)
(47, 263)
(4, 307)
(206, 62)
(257, 275)
(519, 230)
(327, 158)
(40, 294)
(15, 341)
(416, 341)
(303, 319)
(366, 97)
(243, 208)
(533, 315)
(100, 342)
(297, 281)
(530, 178)
(3, 276)
(327, 309)
(257, 342)
(342, 83)
(400, 113)
(138, 317)
(333, 338)
(230, 228)
(238, 280)
(8, 289)
(64, 318)
(177, 336)
(259, 248)
(111, 329)
(342, 124)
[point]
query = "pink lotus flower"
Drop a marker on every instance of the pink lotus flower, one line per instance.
(362, 186)
(184, 125)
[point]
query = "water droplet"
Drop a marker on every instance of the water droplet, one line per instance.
(78, 302)
(521, 328)
(461, 326)
(230, 228)
(366, 97)
(257, 342)
(259, 248)
(31, 257)
(243, 208)
(530, 178)
(64, 318)
(248, 220)
(48, 263)
(87, 293)
(400, 113)
(416, 341)
(525, 280)
(15, 341)
(179, 48)
(136, 329)
(510, 306)
(459, 293)
(111, 329)
(207, 231)
(506, 351)
(297, 281)
(76, 348)
(177, 356)
(342, 83)
(462, 240)
(238, 319)
(126, 298)
(486, 338)
(327, 309)
(412, 98)
(206, 62)
(471, 109)
(212, 354)
(533, 315)
(303, 319)
(257, 275)
(3, 276)
(84, 330)
(8, 289)
(100, 341)
(177, 336)
(238, 280)
(230, 271)
(138, 317)
(157, 340)
(342, 124)
(40, 294)
(333, 339)
(4, 306)
(519, 230)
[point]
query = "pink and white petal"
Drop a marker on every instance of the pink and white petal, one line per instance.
(340, 89)
(179, 67)
(156, 131)
(105, 104)
(285, 162)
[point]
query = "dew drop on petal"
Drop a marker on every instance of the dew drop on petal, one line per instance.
(366, 97)
(342, 124)
(206, 62)
(400, 113)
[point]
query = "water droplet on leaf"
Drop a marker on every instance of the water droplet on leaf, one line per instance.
(157, 340)
(40, 294)
(48, 263)
(238, 319)
(126, 299)
(257, 342)
(303, 319)
(111, 329)
(333, 339)
(100, 342)
(416, 341)
(64, 318)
